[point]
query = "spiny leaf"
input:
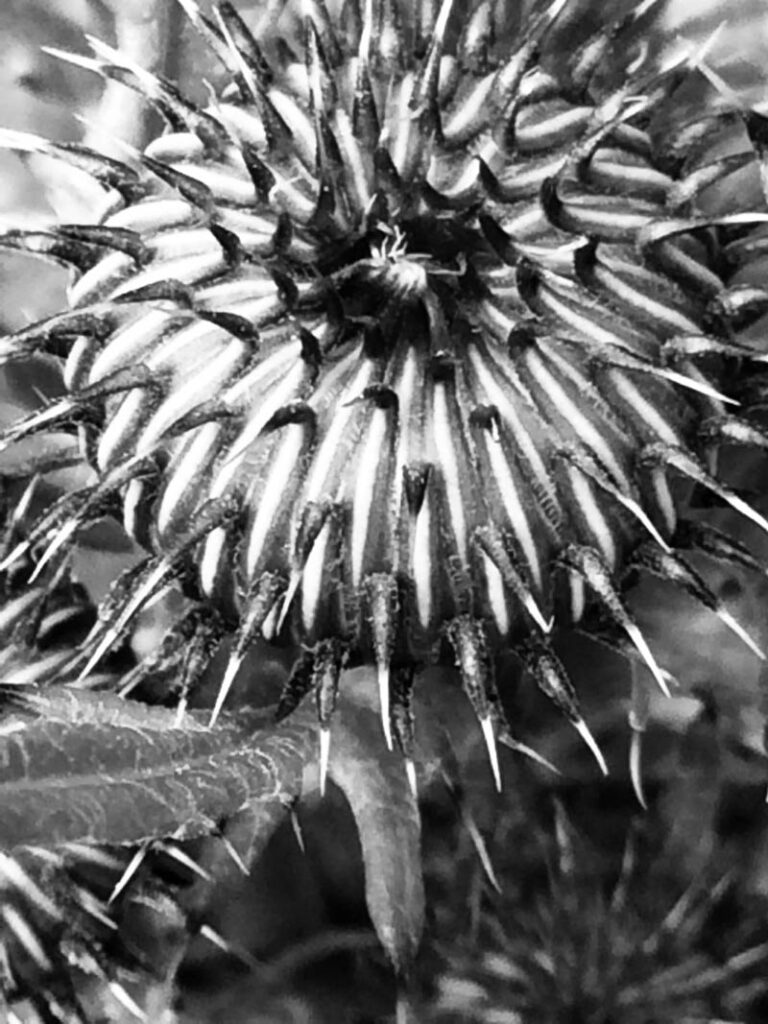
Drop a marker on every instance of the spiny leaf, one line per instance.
(100, 769)
(376, 786)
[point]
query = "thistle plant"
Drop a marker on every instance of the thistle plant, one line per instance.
(407, 349)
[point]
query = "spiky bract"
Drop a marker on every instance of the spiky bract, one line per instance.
(396, 346)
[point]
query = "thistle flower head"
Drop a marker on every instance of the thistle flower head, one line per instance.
(396, 347)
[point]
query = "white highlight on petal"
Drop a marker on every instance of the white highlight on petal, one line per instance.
(422, 562)
(514, 508)
(184, 473)
(312, 578)
(646, 411)
(498, 396)
(128, 345)
(213, 552)
(496, 596)
(126, 1001)
(642, 300)
(590, 509)
(578, 597)
(367, 467)
(333, 442)
(22, 931)
(283, 466)
(570, 412)
(446, 453)
(189, 393)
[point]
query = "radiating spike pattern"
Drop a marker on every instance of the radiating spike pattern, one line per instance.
(409, 314)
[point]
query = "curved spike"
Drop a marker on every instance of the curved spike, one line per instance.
(108, 172)
(328, 659)
(179, 111)
(97, 504)
(185, 650)
(738, 630)
(130, 870)
(382, 676)
(152, 581)
(552, 679)
(312, 519)
(157, 573)
(490, 542)
(257, 606)
(62, 537)
(588, 464)
(176, 853)
(589, 564)
(639, 713)
(473, 659)
(716, 544)
(506, 738)
(636, 767)
(583, 730)
(233, 667)
(489, 735)
(66, 412)
(672, 567)
(63, 509)
(127, 1001)
(16, 552)
(56, 335)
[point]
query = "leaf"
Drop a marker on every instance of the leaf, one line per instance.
(374, 782)
(93, 767)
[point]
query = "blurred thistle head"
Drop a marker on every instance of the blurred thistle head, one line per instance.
(581, 935)
(402, 346)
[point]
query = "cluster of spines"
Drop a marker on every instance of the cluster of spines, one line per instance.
(63, 915)
(141, 259)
